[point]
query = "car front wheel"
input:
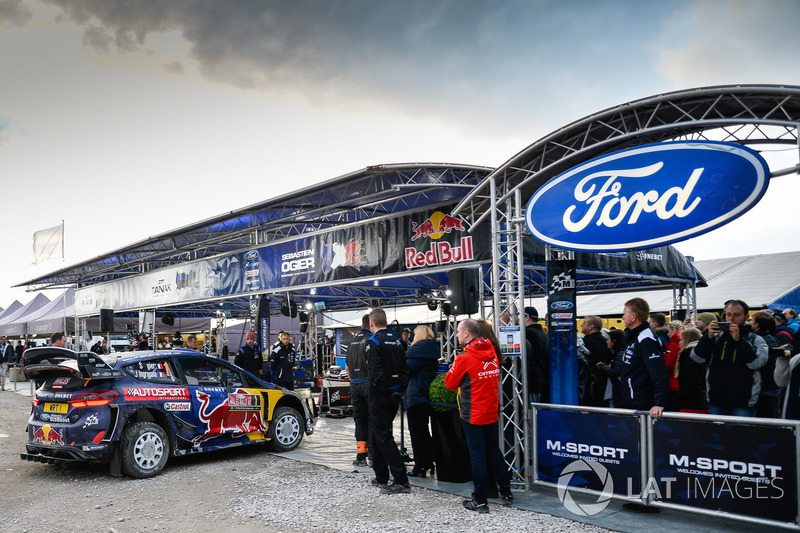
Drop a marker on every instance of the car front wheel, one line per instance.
(286, 429)
(144, 449)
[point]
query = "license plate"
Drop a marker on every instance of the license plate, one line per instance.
(60, 408)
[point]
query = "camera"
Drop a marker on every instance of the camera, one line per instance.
(724, 326)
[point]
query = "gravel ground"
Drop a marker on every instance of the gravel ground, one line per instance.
(238, 490)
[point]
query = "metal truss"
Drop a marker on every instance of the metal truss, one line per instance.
(753, 115)
(365, 195)
(745, 114)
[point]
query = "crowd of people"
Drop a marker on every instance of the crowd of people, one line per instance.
(736, 364)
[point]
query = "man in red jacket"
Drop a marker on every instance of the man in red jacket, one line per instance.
(477, 373)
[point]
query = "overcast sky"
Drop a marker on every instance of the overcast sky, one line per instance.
(129, 118)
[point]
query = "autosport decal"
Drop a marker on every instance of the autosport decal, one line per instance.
(156, 393)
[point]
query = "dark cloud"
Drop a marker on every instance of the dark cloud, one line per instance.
(14, 13)
(478, 63)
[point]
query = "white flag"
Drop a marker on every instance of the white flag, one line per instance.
(48, 243)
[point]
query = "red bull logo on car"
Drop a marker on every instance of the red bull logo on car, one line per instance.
(47, 435)
(227, 419)
(439, 253)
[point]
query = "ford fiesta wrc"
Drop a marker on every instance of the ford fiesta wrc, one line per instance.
(135, 410)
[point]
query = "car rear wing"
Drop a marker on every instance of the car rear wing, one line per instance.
(49, 361)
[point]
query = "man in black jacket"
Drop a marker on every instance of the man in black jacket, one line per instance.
(644, 376)
(358, 372)
(249, 356)
(388, 374)
(537, 360)
(282, 359)
(598, 353)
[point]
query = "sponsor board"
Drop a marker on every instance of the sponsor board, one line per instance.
(648, 196)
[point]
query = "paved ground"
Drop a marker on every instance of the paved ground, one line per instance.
(337, 450)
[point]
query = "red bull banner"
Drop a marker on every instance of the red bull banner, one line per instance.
(428, 239)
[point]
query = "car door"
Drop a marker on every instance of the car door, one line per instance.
(226, 410)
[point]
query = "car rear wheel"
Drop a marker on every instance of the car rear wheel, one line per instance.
(144, 449)
(286, 429)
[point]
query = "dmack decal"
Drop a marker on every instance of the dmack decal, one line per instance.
(648, 196)
(223, 419)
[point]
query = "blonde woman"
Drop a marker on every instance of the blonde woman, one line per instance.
(422, 359)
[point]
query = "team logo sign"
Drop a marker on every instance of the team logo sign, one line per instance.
(442, 252)
(648, 196)
(577, 467)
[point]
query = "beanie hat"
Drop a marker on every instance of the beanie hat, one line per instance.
(532, 312)
(708, 318)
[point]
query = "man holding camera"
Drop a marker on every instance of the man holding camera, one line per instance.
(733, 354)
(388, 375)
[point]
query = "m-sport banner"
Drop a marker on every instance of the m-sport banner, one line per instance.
(756, 477)
(412, 243)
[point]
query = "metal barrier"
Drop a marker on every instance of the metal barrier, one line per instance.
(746, 469)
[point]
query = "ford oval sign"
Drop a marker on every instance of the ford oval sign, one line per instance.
(648, 196)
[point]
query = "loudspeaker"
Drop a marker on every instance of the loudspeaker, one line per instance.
(446, 308)
(678, 314)
(463, 291)
(106, 320)
(168, 319)
(289, 308)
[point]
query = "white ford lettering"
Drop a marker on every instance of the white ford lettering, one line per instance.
(619, 207)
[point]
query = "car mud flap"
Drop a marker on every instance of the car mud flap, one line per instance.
(116, 462)
(309, 426)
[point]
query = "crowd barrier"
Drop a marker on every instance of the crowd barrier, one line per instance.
(746, 469)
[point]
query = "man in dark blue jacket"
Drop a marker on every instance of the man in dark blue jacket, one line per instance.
(734, 355)
(388, 374)
(644, 376)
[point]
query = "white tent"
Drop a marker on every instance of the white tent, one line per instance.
(13, 325)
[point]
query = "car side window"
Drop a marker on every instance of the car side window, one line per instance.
(153, 371)
(207, 372)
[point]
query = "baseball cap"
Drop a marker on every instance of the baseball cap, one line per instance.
(777, 315)
(532, 312)
(707, 318)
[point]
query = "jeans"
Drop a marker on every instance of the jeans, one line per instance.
(732, 411)
(484, 453)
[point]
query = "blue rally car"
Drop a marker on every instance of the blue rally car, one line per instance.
(136, 409)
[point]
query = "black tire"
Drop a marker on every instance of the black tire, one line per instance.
(285, 429)
(144, 449)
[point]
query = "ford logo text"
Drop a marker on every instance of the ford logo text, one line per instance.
(648, 196)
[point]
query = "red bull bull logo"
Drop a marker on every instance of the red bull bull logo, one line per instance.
(223, 418)
(436, 226)
(47, 435)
